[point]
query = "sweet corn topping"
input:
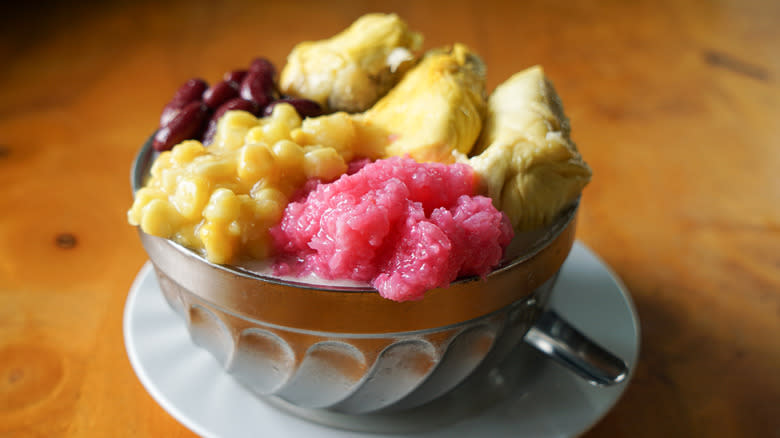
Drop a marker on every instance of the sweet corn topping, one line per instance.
(222, 200)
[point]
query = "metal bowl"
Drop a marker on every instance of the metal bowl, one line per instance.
(347, 350)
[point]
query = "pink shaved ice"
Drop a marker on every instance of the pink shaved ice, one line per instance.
(402, 226)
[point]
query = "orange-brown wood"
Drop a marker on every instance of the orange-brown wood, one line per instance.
(675, 105)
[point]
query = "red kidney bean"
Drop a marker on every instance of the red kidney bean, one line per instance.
(258, 86)
(220, 93)
(232, 104)
(235, 104)
(235, 75)
(264, 65)
(186, 124)
(190, 91)
(304, 107)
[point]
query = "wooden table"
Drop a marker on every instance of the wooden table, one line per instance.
(675, 105)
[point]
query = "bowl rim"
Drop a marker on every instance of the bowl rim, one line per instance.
(147, 155)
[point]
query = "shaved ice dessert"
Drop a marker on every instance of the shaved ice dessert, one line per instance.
(364, 161)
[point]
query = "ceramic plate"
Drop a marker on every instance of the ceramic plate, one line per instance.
(541, 400)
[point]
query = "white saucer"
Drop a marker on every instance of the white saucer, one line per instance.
(553, 403)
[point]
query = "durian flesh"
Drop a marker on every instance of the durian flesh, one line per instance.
(436, 111)
(353, 69)
(433, 114)
(525, 158)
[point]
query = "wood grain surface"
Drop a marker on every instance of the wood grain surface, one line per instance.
(675, 105)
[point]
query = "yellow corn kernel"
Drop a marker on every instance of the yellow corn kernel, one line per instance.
(223, 206)
(234, 229)
(289, 156)
(187, 235)
(191, 196)
(252, 225)
(215, 169)
(336, 131)
(220, 245)
(143, 196)
(160, 218)
(232, 127)
(169, 179)
(163, 161)
(255, 135)
(269, 204)
(298, 136)
(269, 212)
(187, 150)
(324, 163)
(283, 186)
(246, 204)
(275, 130)
(286, 114)
(255, 161)
(269, 193)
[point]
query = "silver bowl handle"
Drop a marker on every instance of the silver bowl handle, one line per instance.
(556, 338)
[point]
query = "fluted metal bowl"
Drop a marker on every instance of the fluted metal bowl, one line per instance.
(347, 350)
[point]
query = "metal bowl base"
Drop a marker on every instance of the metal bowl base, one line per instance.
(490, 384)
